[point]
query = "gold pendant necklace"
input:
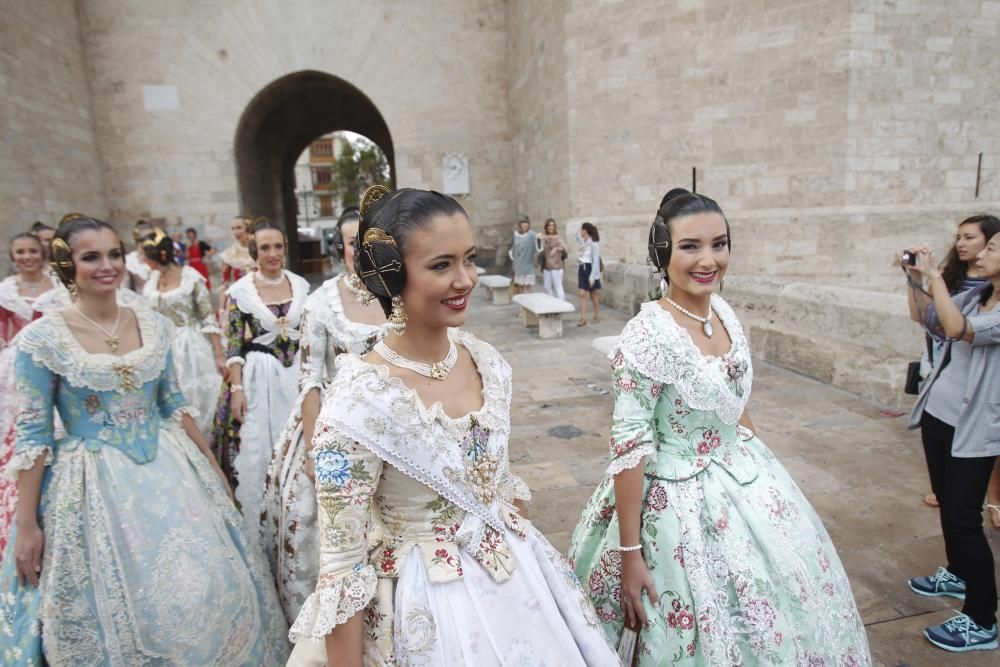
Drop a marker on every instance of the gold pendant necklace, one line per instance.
(112, 339)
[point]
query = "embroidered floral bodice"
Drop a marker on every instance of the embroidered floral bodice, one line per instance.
(271, 327)
(392, 473)
(103, 400)
(327, 332)
(187, 305)
(675, 406)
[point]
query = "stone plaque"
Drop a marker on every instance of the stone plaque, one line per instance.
(456, 174)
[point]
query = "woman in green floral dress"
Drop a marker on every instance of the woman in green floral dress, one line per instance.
(697, 536)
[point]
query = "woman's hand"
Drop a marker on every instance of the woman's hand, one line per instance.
(925, 262)
(914, 270)
(220, 365)
(636, 579)
(28, 550)
(238, 405)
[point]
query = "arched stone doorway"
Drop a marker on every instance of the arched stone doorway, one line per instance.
(278, 124)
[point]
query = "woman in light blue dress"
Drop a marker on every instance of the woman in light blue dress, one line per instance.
(127, 549)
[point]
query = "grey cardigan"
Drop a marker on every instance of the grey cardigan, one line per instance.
(978, 430)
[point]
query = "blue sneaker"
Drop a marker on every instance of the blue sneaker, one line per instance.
(942, 582)
(960, 634)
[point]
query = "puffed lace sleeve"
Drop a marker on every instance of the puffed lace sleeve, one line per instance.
(312, 353)
(346, 478)
(235, 326)
(632, 428)
(36, 388)
(203, 310)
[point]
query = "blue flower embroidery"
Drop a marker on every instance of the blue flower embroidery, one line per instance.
(332, 467)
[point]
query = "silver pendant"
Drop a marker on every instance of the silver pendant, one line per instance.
(707, 327)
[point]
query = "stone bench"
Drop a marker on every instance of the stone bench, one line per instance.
(545, 312)
(497, 289)
(605, 344)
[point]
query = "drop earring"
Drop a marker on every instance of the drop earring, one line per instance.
(397, 318)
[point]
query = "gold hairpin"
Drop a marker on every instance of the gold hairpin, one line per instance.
(70, 217)
(371, 195)
(154, 240)
(377, 235)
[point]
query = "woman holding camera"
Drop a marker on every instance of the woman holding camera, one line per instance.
(957, 411)
(960, 274)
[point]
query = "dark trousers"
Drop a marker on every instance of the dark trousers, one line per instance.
(960, 486)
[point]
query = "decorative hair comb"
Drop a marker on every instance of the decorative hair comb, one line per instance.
(70, 217)
(372, 195)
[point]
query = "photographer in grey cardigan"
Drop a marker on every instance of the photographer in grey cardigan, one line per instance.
(958, 412)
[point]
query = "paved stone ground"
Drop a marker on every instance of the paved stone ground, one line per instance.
(861, 469)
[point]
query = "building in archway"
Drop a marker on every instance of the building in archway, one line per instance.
(833, 132)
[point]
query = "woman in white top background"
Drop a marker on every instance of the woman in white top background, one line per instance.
(588, 273)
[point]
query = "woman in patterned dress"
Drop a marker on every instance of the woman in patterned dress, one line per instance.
(697, 536)
(180, 293)
(262, 343)
(334, 322)
(426, 557)
(127, 548)
(18, 295)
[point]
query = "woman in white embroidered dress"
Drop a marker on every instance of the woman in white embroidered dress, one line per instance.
(181, 294)
(18, 295)
(698, 536)
(426, 559)
(262, 341)
(333, 322)
(127, 548)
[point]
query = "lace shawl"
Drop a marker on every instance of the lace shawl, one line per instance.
(382, 414)
(11, 299)
(244, 293)
(656, 346)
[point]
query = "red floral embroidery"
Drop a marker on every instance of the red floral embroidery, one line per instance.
(388, 563)
(656, 498)
(627, 385)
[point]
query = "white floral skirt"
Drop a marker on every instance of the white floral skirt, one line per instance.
(288, 522)
(271, 389)
(540, 617)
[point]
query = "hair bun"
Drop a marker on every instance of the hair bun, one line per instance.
(673, 194)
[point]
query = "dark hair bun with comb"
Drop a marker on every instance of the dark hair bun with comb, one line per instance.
(382, 234)
(677, 203)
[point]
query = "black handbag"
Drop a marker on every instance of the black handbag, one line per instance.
(913, 378)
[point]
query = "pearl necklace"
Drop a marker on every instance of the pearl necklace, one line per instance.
(112, 340)
(436, 371)
(31, 287)
(270, 282)
(706, 322)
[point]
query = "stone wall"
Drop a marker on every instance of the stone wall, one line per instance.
(437, 72)
(832, 133)
(49, 163)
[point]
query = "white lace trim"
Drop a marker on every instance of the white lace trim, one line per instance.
(632, 459)
(330, 311)
(12, 300)
(135, 265)
(244, 293)
(656, 346)
(189, 278)
(512, 488)
(25, 460)
(52, 345)
(334, 604)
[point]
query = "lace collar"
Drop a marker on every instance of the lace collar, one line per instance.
(14, 301)
(51, 344)
(387, 417)
(189, 277)
(655, 345)
(244, 293)
(237, 256)
(327, 307)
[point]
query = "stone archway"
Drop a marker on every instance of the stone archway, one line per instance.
(278, 124)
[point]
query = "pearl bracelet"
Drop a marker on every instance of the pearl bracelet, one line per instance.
(235, 387)
(637, 547)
